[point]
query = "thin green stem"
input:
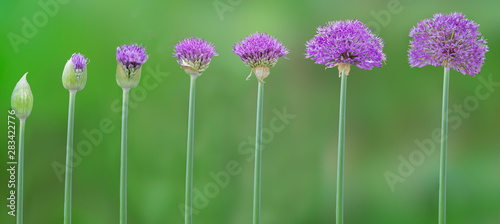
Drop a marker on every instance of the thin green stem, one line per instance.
(444, 139)
(340, 163)
(123, 166)
(20, 173)
(258, 156)
(69, 158)
(188, 211)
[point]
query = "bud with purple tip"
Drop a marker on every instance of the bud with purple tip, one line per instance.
(22, 99)
(75, 72)
(130, 59)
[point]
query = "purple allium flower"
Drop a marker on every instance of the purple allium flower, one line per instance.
(79, 62)
(448, 40)
(344, 43)
(194, 53)
(131, 57)
(260, 50)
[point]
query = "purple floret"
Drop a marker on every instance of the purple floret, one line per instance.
(348, 42)
(260, 50)
(79, 61)
(448, 40)
(131, 56)
(194, 52)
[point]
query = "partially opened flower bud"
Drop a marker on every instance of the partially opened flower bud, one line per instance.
(75, 72)
(260, 51)
(194, 55)
(22, 98)
(130, 59)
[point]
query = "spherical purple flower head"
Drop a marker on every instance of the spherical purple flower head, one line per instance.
(131, 57)
(260, 51)
(346, 43)
(79, 62)
(194, 54)
(448, 40)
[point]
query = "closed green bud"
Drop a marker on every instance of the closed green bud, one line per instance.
(75, 73)
(22, 99)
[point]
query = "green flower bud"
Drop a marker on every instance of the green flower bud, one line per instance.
(127, 78)
(22, 99)
(75, 73)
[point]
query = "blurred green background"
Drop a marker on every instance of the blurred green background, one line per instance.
(388, 109)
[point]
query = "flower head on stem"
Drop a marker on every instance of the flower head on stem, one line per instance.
(194, 55)
(130, 59)
(346, 43)
(448, 40)
(75, 72)
(260, 51)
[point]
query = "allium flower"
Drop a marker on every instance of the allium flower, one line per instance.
(260, 51)
(22, 104)
(194, 55)
(346, 43)
(74, 78)
(448, 40)
(130, 60)
(22, 99)
(75, 72)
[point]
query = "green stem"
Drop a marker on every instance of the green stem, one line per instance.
(188, 212)
(340, 163)
(258, 156)
(20, 173)
(444, 139)
(69, 158)
(123, 166)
